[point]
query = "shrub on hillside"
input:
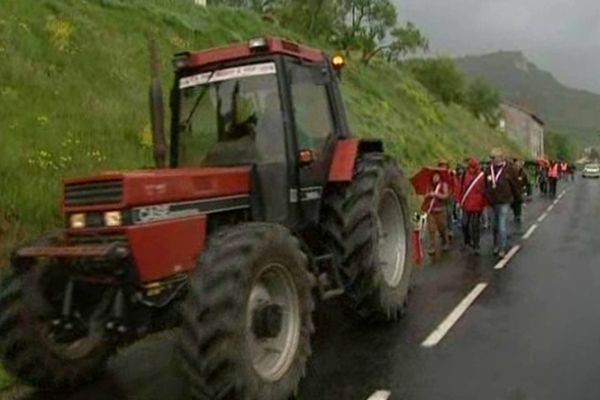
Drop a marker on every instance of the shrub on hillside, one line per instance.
(483, 101)
(559, 146)
(441, 77)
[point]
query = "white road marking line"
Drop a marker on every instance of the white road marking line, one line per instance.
(444, 327)
(380, 395)
(530, 231)
(555, 202)
(511, 253)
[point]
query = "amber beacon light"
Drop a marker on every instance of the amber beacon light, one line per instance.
(338, 62)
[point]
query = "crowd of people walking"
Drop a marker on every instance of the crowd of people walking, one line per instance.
(480, 194)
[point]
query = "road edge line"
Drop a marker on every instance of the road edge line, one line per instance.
(380, 395)
(451, 319)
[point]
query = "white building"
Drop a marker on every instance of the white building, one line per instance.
(523, 126)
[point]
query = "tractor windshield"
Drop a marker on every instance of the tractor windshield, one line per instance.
(231, 116)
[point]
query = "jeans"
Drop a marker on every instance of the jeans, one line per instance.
(501, 212)
(485, 218)
(471, 225)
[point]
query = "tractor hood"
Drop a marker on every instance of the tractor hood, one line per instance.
(120, 190)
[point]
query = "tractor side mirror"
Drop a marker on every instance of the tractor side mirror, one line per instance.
(320, 76)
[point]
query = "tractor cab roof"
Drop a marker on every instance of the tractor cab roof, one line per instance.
(249, 49)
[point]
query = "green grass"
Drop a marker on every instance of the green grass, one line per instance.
(73, 89)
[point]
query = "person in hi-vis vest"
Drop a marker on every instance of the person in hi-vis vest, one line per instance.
(553, 172)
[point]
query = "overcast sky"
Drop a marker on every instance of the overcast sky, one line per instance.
(561, 36)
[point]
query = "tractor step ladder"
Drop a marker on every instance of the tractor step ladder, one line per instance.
(329, 282)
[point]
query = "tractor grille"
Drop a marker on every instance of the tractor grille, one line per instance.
(97, 239)
(85, 194)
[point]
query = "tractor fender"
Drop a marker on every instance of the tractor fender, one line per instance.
(346, 153)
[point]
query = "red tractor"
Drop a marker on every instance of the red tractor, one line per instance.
(267, 204)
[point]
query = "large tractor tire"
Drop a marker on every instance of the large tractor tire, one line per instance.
(247, 319)
(368, 224)
(29, 349)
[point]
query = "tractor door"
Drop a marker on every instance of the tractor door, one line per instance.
(315, 130)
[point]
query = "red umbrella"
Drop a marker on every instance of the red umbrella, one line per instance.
(543, 162)
(421, 181)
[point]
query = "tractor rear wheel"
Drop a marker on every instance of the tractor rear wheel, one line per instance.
(30, 348)
(247, 319)
(369, 227)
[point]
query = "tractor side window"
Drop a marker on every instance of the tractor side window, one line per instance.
(312, 112)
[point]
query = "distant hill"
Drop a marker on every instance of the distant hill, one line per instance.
(564, 109)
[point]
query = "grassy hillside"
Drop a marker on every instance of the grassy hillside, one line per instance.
(566, 110)
(73, 84)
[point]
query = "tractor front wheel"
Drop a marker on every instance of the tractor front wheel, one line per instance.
(30, 347)
(247, 320)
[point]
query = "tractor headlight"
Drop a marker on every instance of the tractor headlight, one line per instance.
(77, 221)
(113, 218)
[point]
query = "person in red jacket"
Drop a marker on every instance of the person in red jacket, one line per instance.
(471, 199)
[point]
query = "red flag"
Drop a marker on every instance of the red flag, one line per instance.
(417, 253)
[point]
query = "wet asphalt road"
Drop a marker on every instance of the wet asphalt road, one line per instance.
(534, 333)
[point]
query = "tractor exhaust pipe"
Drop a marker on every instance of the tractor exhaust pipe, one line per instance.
(157, 109)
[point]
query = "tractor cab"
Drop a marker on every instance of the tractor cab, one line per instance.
(267, 103)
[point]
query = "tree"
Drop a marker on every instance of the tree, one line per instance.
(317, 18)
(441, 77)
(368, 26)
(406, 39)
(260, 6)
(559, 146)
(366, 23)
(483, 101)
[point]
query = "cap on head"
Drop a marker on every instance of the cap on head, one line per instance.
(473, 163)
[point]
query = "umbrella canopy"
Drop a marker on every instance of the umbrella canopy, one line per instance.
(421, 181)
